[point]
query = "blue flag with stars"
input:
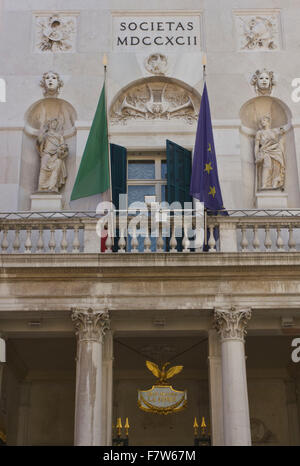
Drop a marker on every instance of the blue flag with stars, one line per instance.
(205, 184)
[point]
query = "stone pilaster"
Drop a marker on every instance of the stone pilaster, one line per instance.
(90, 328)
(228, 237)
(215, 388)
(2, 358)
(107, 386)
(292, 401)
(231, 324)
(24, 410)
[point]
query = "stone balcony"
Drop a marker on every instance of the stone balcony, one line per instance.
(242, 231)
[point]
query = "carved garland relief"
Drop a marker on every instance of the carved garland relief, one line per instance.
(258, 32)
(55, 33)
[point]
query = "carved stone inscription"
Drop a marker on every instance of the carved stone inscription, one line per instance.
(156, 32)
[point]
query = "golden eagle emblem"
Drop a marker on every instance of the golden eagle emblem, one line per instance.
(163, 374)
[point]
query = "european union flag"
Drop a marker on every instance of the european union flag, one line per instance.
(205, 184)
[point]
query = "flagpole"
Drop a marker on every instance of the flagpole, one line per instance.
(111, 227)
(204, 63)
(105, 62)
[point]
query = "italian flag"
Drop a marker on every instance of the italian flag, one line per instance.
(93, 176)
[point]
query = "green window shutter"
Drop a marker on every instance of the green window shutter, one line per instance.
(179, 167)
(118, 163)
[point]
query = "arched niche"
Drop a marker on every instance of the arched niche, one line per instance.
(35, 118)
(157, 98)
(253, 110)
(250, 114)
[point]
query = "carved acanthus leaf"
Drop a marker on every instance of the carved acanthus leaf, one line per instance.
(90, 324)
(232, 323)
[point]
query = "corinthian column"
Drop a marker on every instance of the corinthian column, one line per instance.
(90, 328)
(231, 324)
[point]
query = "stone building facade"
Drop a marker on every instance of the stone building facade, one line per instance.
(77, 324)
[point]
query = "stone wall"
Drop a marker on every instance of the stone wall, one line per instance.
(92, 30)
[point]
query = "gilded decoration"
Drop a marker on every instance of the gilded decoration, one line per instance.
(162, 398)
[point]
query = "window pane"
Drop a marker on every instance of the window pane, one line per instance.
(164, 192)
(138, 193)
(163, 169)
(141, 169)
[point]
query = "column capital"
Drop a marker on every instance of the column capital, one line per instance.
(3, 336)
(231, 323)
(90, 325)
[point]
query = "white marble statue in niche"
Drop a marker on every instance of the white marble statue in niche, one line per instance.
(53, 150)
(51, 84)
(270, 156)
(263, 82)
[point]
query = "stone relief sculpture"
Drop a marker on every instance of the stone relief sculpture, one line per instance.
(156, 63)
(269, 156)
(260, 434)
(155, 100)
(263, 82)
(55, 33)
(258, 32)
(51, 84)
(53, 150)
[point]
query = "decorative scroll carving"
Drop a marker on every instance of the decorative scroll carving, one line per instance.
(51, 84)
(269, 156)
(263, 82)
(258, 32)
(90, 324)
(55, 33)
(260, 434)
(155, 100)
(232, 323)
(53, 150)
(159, 352)
(156, 63)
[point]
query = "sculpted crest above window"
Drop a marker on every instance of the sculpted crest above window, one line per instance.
(155, 99)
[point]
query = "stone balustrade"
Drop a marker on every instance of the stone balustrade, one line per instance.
(256, 231)
(27, 234)
(76, 232)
